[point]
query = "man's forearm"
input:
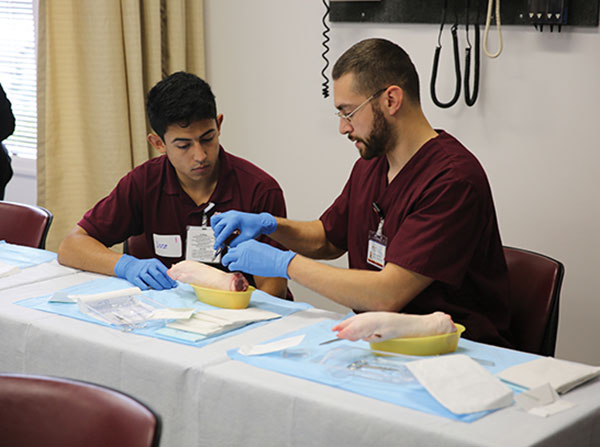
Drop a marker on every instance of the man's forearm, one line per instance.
(82, 251)
(305, 238)
(387, 290)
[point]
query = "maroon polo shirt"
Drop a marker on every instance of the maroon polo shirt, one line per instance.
(440, 222)
(149, 200)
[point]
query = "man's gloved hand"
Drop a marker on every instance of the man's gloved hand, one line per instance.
(144, 273)
(257, 258)
(250, 226)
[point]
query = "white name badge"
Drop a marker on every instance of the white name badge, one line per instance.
(376, 250)
(200, 243)
(168, 245)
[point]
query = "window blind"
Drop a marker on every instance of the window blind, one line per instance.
(18, 73)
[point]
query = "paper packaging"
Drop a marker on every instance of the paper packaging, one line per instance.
(542, 401)
(274, 346)
(562, 375)
(460, 384)
(87, 298)
(214, 322)
(171, 314)
(63, 297)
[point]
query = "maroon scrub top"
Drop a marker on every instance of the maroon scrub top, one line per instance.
(150, 200)
(440, 221)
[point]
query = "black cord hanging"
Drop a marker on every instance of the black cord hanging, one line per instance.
(470, 99)
(436, 61)
(326, 39)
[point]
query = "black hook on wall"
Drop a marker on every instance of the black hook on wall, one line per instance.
(470, 96)
(436, 61)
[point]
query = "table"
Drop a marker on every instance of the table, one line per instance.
(167, 376)
(253, 406)
(205, 398)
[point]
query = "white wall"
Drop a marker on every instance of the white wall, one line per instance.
(533, 128)
(22, 187)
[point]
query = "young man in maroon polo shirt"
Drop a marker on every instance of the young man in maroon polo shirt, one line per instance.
(416, 215)
(169, 199)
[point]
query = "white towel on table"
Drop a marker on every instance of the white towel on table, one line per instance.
(460, 384)
(562, 375)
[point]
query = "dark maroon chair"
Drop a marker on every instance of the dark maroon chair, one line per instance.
(24, 224)
(48, 411)
(535, 283)
(136, 246)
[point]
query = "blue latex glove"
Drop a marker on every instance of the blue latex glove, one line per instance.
(250, 225)
(144, 273)
(258, 258)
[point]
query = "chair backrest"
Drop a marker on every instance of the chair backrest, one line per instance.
(39, 410)
(24, 224)
(535, 283)
(136, 246)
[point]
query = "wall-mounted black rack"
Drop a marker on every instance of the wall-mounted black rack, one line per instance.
(512, 12)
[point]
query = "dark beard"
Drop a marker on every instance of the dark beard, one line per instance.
(380, 139)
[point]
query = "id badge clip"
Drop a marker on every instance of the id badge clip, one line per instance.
(377, 242)
(200, 241)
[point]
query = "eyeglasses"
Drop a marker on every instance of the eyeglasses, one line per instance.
(348, 116)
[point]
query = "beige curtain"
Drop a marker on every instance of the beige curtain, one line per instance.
(96, 61)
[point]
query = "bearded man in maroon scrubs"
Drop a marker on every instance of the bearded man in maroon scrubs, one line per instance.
(416, 215)
(167, 201)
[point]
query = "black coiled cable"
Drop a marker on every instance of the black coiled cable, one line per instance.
(470, 99)
(325, 84)
(436, 62)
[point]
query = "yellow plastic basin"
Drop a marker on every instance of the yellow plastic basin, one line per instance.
(432, 345)
(224, 298)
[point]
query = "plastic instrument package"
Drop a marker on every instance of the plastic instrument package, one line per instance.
(345, 361)
(125, 309)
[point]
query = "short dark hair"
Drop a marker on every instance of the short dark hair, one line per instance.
(181, 98)
(377, 64)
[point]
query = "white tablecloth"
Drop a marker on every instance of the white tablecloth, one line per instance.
(205, 398)
(253, 406)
